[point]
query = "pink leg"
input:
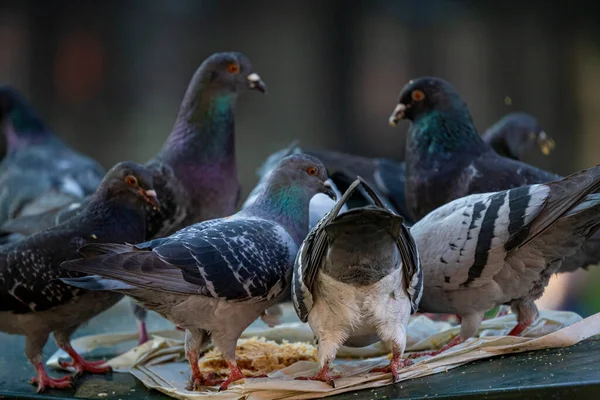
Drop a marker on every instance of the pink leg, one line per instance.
(82, 365)
(519, 328)
(456, 341)
(198, 380)
(323, 376)
(235, 374)
(526, 313)
(43, 381)
(396, 364)
(143, 333)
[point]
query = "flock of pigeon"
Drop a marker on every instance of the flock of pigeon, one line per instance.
(460, 227)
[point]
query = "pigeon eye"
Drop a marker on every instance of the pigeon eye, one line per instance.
(417, 95)
(312, 171)
(131, 180)
(233, 68)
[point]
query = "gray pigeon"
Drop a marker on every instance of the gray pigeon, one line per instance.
(34, 303)
(489, 249)
(195, 172)
(356, 280)
(39, 172)
(216, 276)
(517, 133)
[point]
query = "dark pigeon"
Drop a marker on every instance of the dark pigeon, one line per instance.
(195, 172)
(217, 276)
(445, 156)
(39, 172)
(34, 303)
(357, 278)
(517, 133)
(490, 249)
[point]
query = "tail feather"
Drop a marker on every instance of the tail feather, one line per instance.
(98, 249)
(565, 196)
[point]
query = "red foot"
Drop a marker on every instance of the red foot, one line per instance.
(81, 365)
(43, 381)
(235, 374)
(394, 366)
(197, 380)
(456, 341)
(143, 333)
(519, 328)
(323, 376)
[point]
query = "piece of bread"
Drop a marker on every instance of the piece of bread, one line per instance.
(258, 356)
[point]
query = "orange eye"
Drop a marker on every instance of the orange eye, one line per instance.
(131, 180)
(312, 171)
(417, 95)
(233, 68)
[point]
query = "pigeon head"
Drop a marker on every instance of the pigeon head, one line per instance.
(302, 171)
(516, 133)
(286, 195)
(230, 72)
(17, 117)
(421, 96)
(130, 181)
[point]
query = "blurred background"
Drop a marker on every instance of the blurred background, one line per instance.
(108, 76)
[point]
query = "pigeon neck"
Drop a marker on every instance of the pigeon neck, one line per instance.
(500, 138)
(445, 133)
(286, 205)
(22, 128)
(204, 131)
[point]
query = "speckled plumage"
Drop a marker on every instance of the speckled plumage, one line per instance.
(497, 248)
(357, 277)
(39, 172)
(195, 172)
(219, 275)
(33, 302)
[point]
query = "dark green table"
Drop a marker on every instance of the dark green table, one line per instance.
(572, 373)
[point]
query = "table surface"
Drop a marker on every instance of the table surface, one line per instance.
(557, 373)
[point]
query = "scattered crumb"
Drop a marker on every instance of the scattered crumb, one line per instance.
(102, 394)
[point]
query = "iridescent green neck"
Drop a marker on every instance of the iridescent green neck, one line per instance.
(285, 204)
(438, 132)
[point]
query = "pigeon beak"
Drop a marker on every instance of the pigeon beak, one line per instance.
(398, 114)
(150, 197)
(254, 82)
(546, 143)
(329, 190)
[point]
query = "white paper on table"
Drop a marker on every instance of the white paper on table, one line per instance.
(160, 363)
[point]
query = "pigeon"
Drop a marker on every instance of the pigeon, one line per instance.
(39, 172)
(195, 172)
(445, 157)
(517, 133)
(489, 249)
(356, 280)
(512, 136)
(216, 276)
(320, 204)
(34, 303)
